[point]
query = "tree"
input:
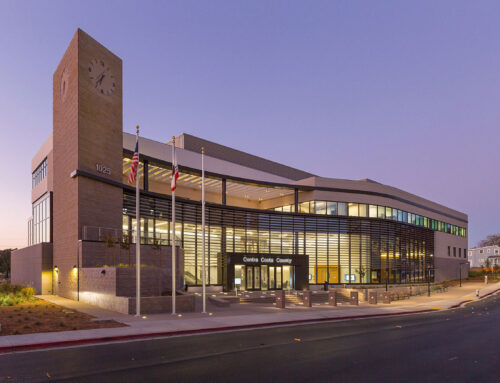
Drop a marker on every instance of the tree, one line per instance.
(490, 240)
(487, 264)
(5, 262)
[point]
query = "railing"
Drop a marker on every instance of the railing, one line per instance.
(104, 234)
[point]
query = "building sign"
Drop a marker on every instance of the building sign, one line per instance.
(103, 169)
(268, 260)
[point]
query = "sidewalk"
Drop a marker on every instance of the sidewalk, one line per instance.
(236, 317)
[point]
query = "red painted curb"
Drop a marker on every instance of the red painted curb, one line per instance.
(25, 347)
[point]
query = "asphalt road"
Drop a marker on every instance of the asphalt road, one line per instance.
(460, 345)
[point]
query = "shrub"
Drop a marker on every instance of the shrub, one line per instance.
(28, 291)
(8, 301)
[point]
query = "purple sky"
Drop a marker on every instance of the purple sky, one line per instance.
(406, 93)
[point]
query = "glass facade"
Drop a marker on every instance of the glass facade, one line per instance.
(348, 249)
(353, 209)
(40, 230)
(39, 174)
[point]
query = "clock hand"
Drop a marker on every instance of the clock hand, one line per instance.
(99, 80)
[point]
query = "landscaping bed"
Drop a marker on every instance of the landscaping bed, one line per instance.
(22, 313)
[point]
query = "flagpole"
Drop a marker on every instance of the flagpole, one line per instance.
(173, 228)
(203, 230)
(138, 237)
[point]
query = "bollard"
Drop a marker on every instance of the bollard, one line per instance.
(372, 297)
(308, 298)
(354, 298)
(332, 298)
(386, 297)
(485, 279)
(477, 293)
(280, 299)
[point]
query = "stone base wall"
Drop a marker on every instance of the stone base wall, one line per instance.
(158, 305)
(149, 305)
(114, 288)
(121, 281)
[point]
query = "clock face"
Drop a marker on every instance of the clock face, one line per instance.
(64, 84)
(101, 77)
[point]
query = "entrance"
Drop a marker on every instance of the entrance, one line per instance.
(264, 277)
(266, 272)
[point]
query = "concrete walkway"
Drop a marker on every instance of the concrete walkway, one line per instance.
(238, 316)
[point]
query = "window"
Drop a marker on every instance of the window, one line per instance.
(363, 210)
(320, 207)
(311, 207)
(304, 207)
(465, 253)
(459, 252)
(388, 213)
(454, 251)
(481, 251)
(342, 208)
(331, 208)
(381, 212)
(40, 231)
(353, 209)
(394, 214)
(449, 251)
(39, 174)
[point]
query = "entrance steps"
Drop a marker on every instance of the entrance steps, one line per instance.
(294, 299)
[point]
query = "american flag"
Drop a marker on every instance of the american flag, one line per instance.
(135, 164)
(175, 172)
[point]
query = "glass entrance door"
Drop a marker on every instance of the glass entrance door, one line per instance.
(272, 278)
(278, 278)
(264, 277)
(249, 278)
(253, 278)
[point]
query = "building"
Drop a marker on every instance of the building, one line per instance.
(269, 226)
(479, 255)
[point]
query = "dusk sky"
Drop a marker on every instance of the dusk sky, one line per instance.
(406, 93)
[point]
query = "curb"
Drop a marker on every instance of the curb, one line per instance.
(65, 343)
(471, 300)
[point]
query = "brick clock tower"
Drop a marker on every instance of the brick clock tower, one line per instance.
(87, 139)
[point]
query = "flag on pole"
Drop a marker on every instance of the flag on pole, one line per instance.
(133, 176)
(135, 163)
(175, 171)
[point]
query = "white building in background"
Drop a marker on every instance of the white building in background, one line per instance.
(477, 256)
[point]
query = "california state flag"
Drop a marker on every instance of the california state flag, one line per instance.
(175, 172)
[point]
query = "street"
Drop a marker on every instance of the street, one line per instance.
(459, 345)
